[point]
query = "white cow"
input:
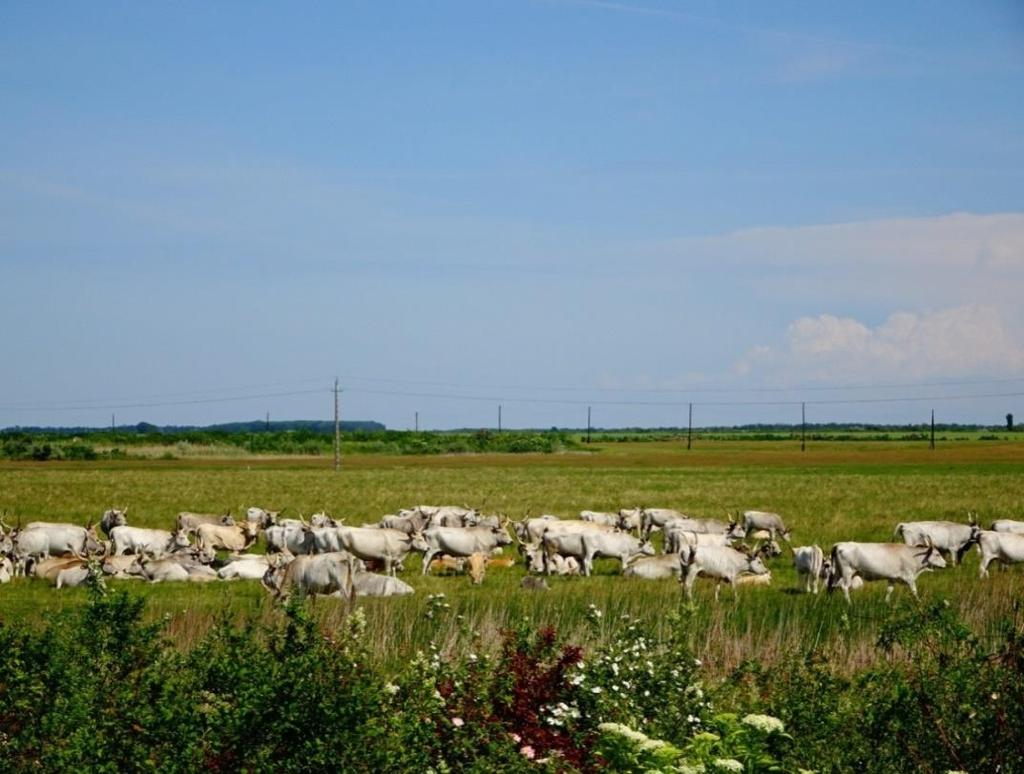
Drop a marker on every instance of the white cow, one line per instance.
(189, 521)
(679, 535)
(654, 567)
(388, 546)
(948, 537)
(290, 538)
(464, 541)
(720, 563)
(810, 561)
(43, 539)
(262, 517)
(329, 574)
(764, 520)
(6, 570)
(138, 540)
(370, 584)
(891, 562)
(601, 517)
(249, 567)
(585, 546)
(1002, 547)
(234, 538)
(653, 519)
(1008, 525)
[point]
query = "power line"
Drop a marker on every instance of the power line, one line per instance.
(228, 399)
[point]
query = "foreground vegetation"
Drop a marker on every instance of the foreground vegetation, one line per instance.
(98, 689)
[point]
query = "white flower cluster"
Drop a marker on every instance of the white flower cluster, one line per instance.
(560, 714)
(765, 723)
(727, 764)
(436, 603)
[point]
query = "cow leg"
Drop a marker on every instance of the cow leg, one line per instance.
(983, 567)
(888, 591)
(428, 557)
(845, 584)
(691, 578)
(718, 588)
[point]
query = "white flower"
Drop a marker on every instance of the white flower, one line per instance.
(727, 764)
(458, 722)
(391, 689)
(596, 689)
(765, 723)
(576, 679)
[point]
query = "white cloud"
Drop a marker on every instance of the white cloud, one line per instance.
(960, 341)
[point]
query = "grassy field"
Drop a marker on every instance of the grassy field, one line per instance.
(848, 490)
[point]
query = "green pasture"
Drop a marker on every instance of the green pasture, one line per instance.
(847, 490)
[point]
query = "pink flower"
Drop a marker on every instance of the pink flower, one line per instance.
(516, 738)
(458, 722)
(528, 751)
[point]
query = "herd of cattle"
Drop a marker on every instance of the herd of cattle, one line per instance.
(323, 556)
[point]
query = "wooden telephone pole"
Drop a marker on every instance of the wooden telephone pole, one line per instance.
(337, 429)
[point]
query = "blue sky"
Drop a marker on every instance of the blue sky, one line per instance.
(633, 203)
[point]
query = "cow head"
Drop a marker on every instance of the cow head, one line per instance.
(646, 548)
(735, 530)
(180, 539)
(769, 549)
(930, 558)
(756, 566)
(534, 558)
(501, 536)
(418, 542)
(273, 578)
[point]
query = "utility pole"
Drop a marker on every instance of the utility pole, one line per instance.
(499, 417)
(932, 445)
(111, 423)
(689, 429)
(337, 430)
(588, 424)
(803, 427)
(268, 421)
(417, 421)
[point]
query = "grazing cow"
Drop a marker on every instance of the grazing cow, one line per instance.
(330, 574)
(466, 541)
(370, 584)
(1008, 525)
(42, 539)
(948, 537)
(654, 519)
(587, 545)
(477, 567)
(236, 538)
(763, 520)
(720, 563)
(601, 517)
(678, 536)
(156, 542)
(189, 522)
(1003, 547)
(654, 567)
(290, 538)
(810, 561)
(261, 517)
(891, 562)
(388, 546)
(441, 515)
(113, 518)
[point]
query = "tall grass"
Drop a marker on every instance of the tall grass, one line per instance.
(859, 492)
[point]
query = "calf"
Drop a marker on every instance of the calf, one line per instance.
(810, 561)
(477, 567)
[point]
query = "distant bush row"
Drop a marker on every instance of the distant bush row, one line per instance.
(38, 446)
